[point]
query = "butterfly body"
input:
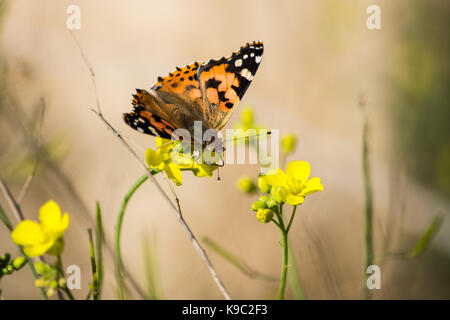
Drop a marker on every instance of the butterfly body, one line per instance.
(206, 92)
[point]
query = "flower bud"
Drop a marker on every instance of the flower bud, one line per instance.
(19, 262)
(247, 117)
(259, 204)
(40, 283)
(264, 215)
(246, 185)
(288, 143)
(54, 284)
(62, 282)
(271, 203)
(7, 270)
(50, 292)
(40, 267)
(263, 184)
(4, 259)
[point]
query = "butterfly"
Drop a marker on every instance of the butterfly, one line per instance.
(207, 92)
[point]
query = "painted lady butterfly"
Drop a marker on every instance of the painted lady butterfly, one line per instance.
(206, 92)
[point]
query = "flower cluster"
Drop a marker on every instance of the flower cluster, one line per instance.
(8, 266)
(171, 158)
(49, 278)
(44, 237)
(279, 188)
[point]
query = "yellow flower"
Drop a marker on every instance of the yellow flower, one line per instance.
(288, 143)
(246, 184)
(39, 238)
(264, 215)
(170, 158)
(161, 160)
(294, 184)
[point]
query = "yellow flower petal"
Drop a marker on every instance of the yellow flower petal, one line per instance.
(204, 170)
(63, 225)
(293, 199)
(153, 159)
(276, 177)
(161, 141)
(164, 145)
(28, 233)
(50, 217)
(300, 170)
(173, 173)
(38, 250)
(311, 186)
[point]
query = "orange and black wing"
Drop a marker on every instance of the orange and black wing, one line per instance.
(146, 116)
(223, 82)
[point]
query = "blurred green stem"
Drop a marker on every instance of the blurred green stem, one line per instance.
(285, 256)
(94, 284)
(117, 231)
(294, 278)
(60, 268)
(285, 259)
(368, 205)
(99, 238)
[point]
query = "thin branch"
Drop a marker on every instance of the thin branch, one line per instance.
(11, 201)
(291, 218)
(30, 178)
(91, 70)
(142, 164)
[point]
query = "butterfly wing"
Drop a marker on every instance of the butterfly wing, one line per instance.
(224, 82)
(173, 102)
(197, 92)
(180, 91)
(146, 116)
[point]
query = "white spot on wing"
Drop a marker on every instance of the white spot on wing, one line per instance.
(238, 63)
(152, 130)
(247, 74)
(258, 59)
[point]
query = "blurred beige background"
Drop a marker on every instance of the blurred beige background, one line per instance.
(319, 57)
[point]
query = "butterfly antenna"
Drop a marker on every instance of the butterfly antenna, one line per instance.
(254, 135)
(218, 175)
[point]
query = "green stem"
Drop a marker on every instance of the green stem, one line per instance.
(60, 268)
(284, 246)
(99, 238)
(117, 232)
(291, 219)
(94, 284)
(284, 267)
(285, 249)
(368, 207)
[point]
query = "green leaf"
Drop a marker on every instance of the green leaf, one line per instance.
(427, 236)
(237, 262)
